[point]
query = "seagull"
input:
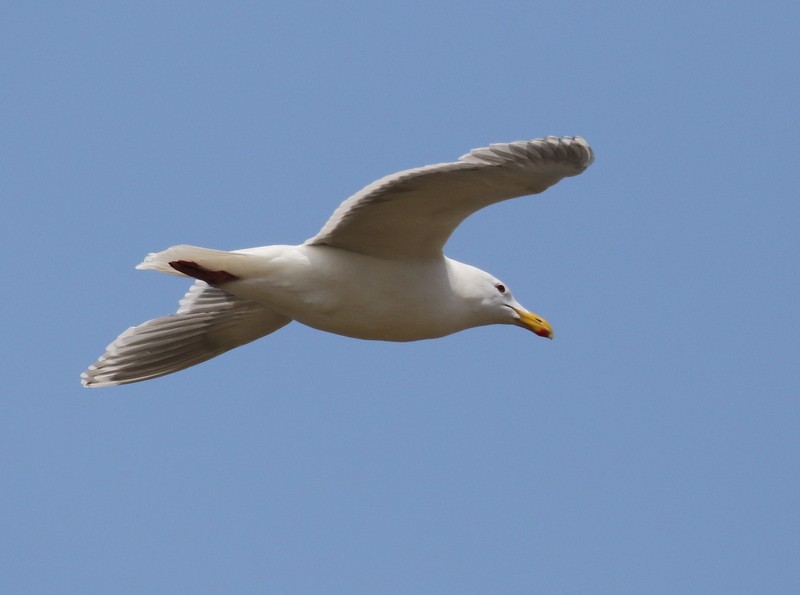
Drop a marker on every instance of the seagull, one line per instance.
(375, 270)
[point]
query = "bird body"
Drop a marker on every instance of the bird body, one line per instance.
(375, 271)
(351, 294)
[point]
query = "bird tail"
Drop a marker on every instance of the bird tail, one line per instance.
(205, 258)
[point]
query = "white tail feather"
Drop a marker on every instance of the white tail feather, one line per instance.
(215, 260)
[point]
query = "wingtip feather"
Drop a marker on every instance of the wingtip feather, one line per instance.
(572, 149)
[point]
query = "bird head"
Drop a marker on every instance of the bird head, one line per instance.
(521, 316)
(498, 305)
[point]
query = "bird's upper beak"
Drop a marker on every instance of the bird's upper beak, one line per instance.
(534, 323)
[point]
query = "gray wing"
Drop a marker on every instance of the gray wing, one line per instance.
(208, 322)
(412, 213)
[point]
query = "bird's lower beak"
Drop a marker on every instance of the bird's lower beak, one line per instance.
(534, 323)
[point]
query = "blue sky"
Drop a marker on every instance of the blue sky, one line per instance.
(651, 448)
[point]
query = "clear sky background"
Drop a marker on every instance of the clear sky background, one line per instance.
(651, 448)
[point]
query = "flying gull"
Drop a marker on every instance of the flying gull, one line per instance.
(375, 271)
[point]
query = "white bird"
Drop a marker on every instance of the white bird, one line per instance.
(375, 271)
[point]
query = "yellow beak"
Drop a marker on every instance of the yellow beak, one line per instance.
(534, 323)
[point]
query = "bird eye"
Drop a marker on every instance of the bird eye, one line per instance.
(501, 288)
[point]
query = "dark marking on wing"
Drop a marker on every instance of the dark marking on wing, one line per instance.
(191, 268)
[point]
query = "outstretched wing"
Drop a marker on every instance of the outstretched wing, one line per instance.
(208, 322)
(412, 213)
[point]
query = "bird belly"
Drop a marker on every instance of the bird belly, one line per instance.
(358, 296)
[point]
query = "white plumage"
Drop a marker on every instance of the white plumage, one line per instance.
(375, 271)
